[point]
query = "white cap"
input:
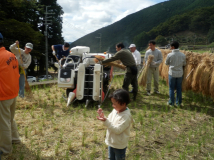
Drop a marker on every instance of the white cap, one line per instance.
(132, 45)
(29, 45)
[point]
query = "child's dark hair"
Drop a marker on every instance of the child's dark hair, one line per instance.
(121, 96)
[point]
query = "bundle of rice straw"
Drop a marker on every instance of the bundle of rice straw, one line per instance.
(164, 54)
(197, 75)
(165, 68)
(115, 64)
(143, 76)
(186, 72)
(204, 83)
(98, 58)
(191, 66)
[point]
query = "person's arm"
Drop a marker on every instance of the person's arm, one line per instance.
(113, 58)
(167, 60)
(53, 49)
(123, 123)
(139, 59)
(135, 58)
(26, 65)
(160, 58)
(13, 48)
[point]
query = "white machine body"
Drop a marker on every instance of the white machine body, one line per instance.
(80, 82)
(83, 78)
(97, 82)
(68, 80)
(79, 50)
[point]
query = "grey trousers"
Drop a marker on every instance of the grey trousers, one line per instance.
(8, 127)
(155, 73)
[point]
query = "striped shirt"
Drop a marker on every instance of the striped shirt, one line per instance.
(176, 60)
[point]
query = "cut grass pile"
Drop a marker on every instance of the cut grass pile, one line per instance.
(49, 130)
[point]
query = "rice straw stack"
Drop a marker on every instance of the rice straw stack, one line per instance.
(186, 69)
(165, 69)
(192, 65)
(164, 54)
(197, 75)
(115, 64)
(204, 83)
(143, 76)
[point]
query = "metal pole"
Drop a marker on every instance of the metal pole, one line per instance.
(46, 42)
(100, 41)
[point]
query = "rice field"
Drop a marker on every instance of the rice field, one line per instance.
(50, 130)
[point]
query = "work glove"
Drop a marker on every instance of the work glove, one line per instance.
(54, 53)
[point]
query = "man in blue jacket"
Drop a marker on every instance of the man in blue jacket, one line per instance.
(62, 51)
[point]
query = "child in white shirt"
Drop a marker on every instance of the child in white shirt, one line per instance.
(118, 124)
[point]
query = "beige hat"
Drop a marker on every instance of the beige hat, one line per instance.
(29, 45)
(132, 45)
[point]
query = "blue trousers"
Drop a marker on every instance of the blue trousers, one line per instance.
(21, 85)
(116, 154)
(175, 83)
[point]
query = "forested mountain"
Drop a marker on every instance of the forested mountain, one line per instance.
(139, 23)
(200, 20)
(23, 20)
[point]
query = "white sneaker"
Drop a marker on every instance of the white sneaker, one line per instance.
(148, 93)
(157, 92)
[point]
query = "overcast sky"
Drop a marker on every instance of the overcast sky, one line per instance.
(85, 16)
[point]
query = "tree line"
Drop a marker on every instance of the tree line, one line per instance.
(23, 20)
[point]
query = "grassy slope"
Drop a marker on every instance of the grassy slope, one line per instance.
(50, 130)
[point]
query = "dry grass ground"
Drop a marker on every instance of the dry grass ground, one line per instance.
(49, 130)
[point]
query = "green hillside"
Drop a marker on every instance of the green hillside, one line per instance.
(142, 21)
(199, 21)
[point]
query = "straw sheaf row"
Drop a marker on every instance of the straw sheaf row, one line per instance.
(198, 73)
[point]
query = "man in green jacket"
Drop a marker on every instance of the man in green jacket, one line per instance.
(126, 57)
